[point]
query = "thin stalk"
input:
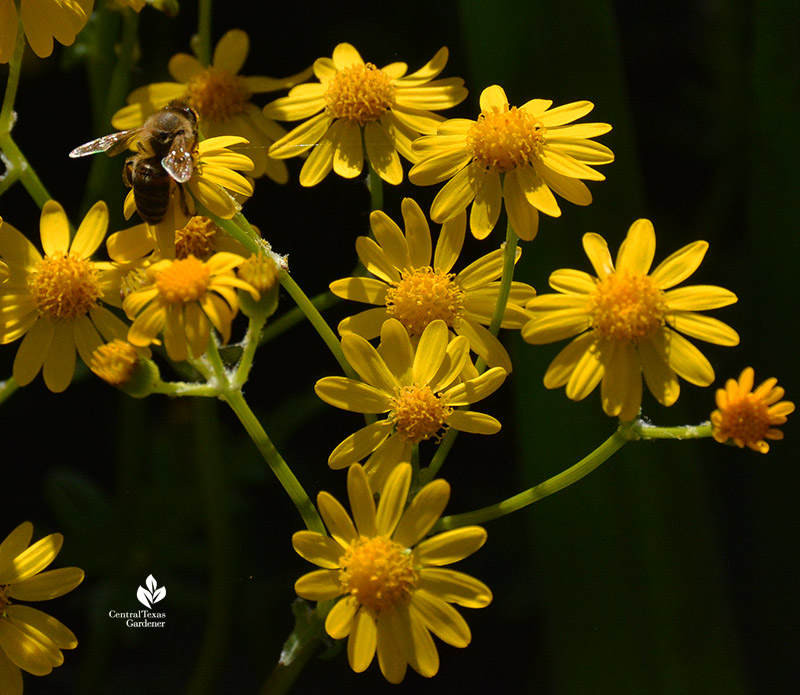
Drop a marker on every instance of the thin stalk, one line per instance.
(204, 32)
(558, 482)
(14, 69)
(274, 460)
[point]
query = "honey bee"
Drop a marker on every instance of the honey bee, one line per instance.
(164, 152)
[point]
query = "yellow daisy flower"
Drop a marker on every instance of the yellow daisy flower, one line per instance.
(520, 155)
(415, 286)
(221, 96)
(30, 639)
(390, 586)
(749, 417)
(42, 21)
(182, 299)
(56, 300)
(629, 323)
(388, 106)
(419, 388)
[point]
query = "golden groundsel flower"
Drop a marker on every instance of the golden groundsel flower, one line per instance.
(391, 108)
(628, 323)
(748, 416)
(42, 21)
(418, 387)
(520, 155)
(416, 286)
(56, 301)
(30, 639)
(183, 299)
(221, 96)
(392, 589)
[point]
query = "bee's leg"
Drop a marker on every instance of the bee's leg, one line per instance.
(127, 172)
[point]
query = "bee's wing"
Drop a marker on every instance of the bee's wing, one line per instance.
(179, 163)
(113, 143)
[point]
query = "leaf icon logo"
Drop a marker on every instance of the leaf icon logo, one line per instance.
(152, 594)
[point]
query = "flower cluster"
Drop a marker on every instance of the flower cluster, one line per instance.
(427, 348)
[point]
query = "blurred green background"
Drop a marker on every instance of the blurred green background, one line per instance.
(670, 570)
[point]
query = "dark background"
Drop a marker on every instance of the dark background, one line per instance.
(671, 569)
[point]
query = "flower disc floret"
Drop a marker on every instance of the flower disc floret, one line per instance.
(66, 287)
(185, 280)
(378, 573)
(218, 94)
(504, 139)
(626, 308)
(423, 295)
(418, 413)
(359, 93)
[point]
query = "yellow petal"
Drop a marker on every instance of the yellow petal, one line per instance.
(348, 153)
(636, 252)
(382, 154)
(455, 587)
(680, 265)
(493, 97)
(363, 641)
(522, 216)
(362, 504)
(352, 395)
(393, 499)
(423, 512)
(339, 622)
(450, 546)
(54, 228)
(319, 549)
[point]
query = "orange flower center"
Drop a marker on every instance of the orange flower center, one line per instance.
(504, 140)
(218, 94)
(64, 288)
(359, 93)
(424, 295)
(185, 280)
(196, 238)
(114, 362)
(418, 413)
(626, 307)
(746, 419)
(378, 573)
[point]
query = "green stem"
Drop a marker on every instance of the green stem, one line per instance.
(558, 482)
(240, 230)
(14, 70)
(375, 184)
(641, 430)
(249, 346)
(315, 318)
(279, 467)
(204, 32)
(322, 301)
(24, 171)
(7, 388)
